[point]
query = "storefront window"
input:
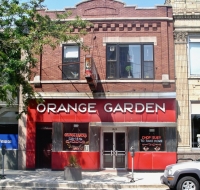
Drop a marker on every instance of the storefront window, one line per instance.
(9, 136)
(152, 139)
(195, 119)
(75, 136)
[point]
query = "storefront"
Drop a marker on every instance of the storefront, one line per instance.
(100, 132)
(9, 136)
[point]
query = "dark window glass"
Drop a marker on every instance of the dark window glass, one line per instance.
(75, 136)
(8, 129)
(71, 62)
(111, 61)
(70, 71)
(148, 53)
(195, 119)
(112, 70)
(130, 61)
(152, 139)
(148, 70)
(111, 53)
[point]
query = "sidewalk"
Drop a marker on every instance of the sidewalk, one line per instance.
(47, 179)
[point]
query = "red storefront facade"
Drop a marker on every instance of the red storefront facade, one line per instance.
(102, 119)
(99, 104)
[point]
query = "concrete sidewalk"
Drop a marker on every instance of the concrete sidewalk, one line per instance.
(48, 179)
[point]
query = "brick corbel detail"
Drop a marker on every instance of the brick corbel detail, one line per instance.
(121, 27)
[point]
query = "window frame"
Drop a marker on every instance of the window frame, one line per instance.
(191, 40)
(118, 74)
(66, 63)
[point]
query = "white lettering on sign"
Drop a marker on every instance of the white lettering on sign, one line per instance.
(91, 107)
(41, 105)
(139, 107)
(73, 108)
(108, 107)
(61, 108)
(161, 108)
(118, 108)
(149, 108)
(82, 108)
(128, 107)
(51, 107)
(5, 141)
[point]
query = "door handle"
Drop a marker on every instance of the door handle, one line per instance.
(111, 153)
(116, 152)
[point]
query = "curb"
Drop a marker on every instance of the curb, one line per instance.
(77, 185)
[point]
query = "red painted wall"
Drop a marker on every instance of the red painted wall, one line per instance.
(152, 160)
(91, 160)
(87, 160)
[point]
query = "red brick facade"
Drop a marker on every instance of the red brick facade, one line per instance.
(114, 19)
(113, 23)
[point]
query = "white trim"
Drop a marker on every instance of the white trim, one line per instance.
(133, 124)
(194, 38)
(99, 81)
(129, 40)
(71, 42)
(120, 18)
(107, 95)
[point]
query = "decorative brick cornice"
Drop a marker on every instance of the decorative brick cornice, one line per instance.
(167, 2)
(129, 26)
(180, 37)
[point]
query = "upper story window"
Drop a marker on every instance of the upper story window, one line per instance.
(71, 62)
(194, 55)
(130, 61)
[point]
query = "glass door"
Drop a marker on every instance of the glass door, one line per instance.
(114, 149)
(108, 150)
(120, 153)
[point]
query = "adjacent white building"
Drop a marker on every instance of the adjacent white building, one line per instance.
(186, 14)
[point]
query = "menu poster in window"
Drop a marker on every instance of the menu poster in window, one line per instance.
(75, 141)
(75, 136)
(151, 143)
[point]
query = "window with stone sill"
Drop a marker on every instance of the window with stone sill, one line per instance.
(130, 61)
(194, 55)
(71, 62)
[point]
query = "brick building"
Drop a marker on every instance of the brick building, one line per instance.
(187, 54)
(100, 103)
